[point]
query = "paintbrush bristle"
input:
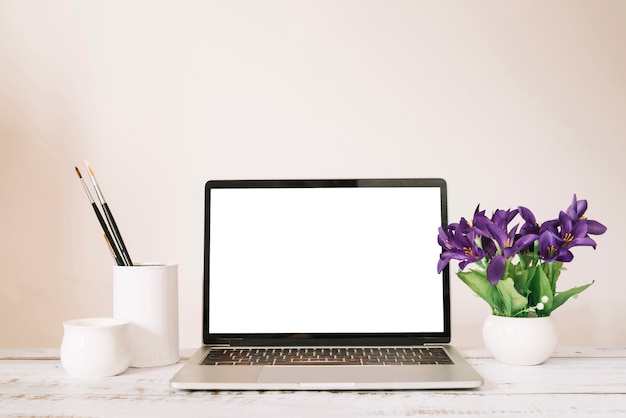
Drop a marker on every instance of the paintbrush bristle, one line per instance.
(89, 168)
(78, 172)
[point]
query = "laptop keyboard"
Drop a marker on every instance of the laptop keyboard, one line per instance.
(326, 356)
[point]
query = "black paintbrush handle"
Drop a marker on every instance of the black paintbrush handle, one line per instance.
(116, 234)
(116, 253)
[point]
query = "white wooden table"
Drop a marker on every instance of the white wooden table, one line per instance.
(575, 382)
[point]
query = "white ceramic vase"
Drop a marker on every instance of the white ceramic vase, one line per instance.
(520, 341)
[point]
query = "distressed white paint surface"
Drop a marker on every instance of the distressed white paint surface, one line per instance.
(575, 382)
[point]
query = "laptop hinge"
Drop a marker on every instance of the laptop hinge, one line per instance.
(226, 342)
(264, 342)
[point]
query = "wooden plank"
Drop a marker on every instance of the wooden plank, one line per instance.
(558, 375)
(314, 404)
(579, 352)
(576, 382)
(468, 352)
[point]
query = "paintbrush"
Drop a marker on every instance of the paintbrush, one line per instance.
(107, 235)
(110, 219)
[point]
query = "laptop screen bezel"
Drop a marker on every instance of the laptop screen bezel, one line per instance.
(324, 338)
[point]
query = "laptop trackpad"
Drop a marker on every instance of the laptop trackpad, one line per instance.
(347, 375)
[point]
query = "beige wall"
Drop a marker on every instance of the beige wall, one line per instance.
(512, 102)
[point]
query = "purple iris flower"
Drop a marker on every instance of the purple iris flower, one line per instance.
(558, 236)
(576, 212)
(550, 247)
(480, 224)
(571, 229)
(459, 243)
(574, 233)
(509, 242)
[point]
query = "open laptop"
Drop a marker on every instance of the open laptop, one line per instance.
(325, 285)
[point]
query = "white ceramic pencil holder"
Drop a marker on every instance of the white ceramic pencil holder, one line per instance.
(146, 295)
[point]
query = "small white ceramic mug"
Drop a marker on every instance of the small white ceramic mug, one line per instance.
(95, 347)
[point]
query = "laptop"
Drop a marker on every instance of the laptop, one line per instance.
(325, 285)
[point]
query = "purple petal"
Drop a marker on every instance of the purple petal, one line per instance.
(488, 246)
(443, 239)
(595, 228)
(580, 229)
(520, 244)
(548, 245)
(480, 223)
(444, 259)
(495, 270)
(442, 264)
(527, 215)
(497, 234)
(577, 209)
(565, 222)
(565, 256)
(582, 241)
(581, 207)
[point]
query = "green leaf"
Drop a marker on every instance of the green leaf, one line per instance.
(540, 287)
(522, 273)
(557, 268)
(477, 281)
(503, 298)
(561, 297)
(512, 301)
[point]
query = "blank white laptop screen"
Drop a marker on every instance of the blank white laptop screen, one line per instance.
(325, 260)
